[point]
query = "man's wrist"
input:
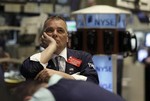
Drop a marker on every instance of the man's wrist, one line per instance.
(79, 77)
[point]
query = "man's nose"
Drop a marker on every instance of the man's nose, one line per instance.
(55, 33)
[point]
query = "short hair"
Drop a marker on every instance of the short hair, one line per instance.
(54, 17)
(25, 88)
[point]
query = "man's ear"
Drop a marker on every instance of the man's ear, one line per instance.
(27, 98)
(67, 37)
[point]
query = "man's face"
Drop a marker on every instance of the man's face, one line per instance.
(57, 29)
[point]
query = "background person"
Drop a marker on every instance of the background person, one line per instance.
(4, 91)
(3, 57)
(61, 89)
(146, 61)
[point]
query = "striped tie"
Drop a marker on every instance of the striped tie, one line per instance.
(60, 63)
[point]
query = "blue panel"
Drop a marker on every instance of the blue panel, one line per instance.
(71, 26)
(80, 21)
(104, 68)
(121, 21)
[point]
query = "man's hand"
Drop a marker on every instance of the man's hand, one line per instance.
(45, 74)
(50, 47)
(47, 40)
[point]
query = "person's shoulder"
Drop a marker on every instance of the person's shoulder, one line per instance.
(93, 92)
(78, 52)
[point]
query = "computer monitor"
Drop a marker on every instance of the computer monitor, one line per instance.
(143, 18)
(141, 54)
(147, 40)
(71, 26)
(140, 35)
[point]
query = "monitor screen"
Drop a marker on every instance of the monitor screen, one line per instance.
(71, 26)
(142, 53)
(140, 35)
(147, 40)
(143, 18)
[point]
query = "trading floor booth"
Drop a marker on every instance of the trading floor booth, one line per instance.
(101, 30)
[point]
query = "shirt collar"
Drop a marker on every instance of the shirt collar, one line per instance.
(54, 79)
(63, 54)
(43, 94)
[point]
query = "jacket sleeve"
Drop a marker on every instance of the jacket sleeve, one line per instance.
(29, 68)
(88, 68)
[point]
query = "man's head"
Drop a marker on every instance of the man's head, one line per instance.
(55, 26)
(25, 90)
(60, 89)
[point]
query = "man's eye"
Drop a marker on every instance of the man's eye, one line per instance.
(49, 30)
(60, 31)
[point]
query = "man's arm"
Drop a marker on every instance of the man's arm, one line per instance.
(45, 74)
(50, 45)
(35, 63)
(86, 71)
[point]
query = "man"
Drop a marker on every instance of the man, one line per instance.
(60, 89)
(146, 62)
(75, 64)
(3, 88)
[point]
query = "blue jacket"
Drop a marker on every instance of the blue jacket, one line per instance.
(60, 89)
(29, 69)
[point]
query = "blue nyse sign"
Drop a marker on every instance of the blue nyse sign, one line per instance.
(103, 66)
(101, 20)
